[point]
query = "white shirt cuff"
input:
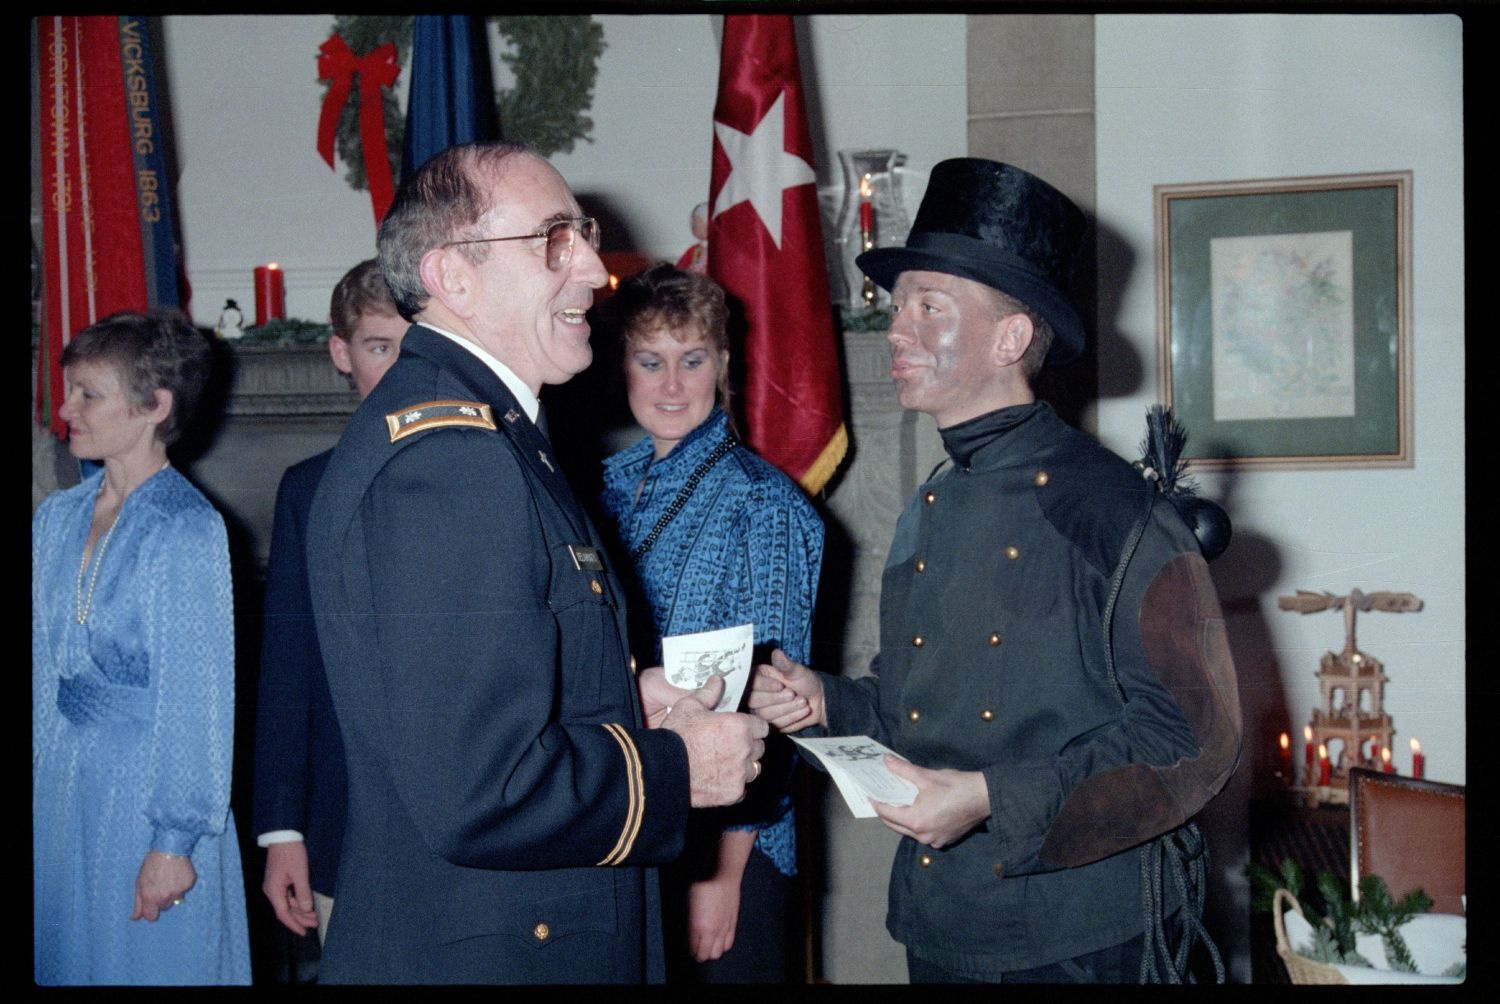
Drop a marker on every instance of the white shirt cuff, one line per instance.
(277, 837)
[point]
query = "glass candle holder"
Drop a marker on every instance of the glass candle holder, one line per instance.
(873, 214)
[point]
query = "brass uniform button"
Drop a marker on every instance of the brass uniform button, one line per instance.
(632, 665)
(918, 642)
(930, 498)
(926, 860)
(987, 715)
(994, 638)
(1012, 552)
(921, 565)
(594, 585)
(541, 932)
(913, 714)
(999, 871)
(1041, 479)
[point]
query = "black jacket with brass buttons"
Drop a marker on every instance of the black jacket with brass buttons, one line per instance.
(992, 659)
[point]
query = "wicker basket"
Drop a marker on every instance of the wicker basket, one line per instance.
(1299, 967)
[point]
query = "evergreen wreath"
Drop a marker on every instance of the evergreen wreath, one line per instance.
(555, 60)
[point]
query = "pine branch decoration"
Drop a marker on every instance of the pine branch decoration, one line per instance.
(1336, 918)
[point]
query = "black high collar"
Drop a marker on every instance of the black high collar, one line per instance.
(965, 439)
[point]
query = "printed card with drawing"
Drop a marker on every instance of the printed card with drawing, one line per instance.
(690, 659)
(855, 764)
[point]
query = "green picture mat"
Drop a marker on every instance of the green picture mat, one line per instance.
(1371, 215)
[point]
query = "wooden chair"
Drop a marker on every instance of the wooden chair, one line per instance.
(1410, 833)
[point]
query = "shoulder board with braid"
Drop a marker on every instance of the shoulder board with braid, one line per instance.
(439, 415)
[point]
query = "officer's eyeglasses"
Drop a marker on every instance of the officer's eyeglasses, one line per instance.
(559, 235)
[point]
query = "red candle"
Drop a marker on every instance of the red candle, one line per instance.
(1286, 756)
(1325, 769)
(1418, 761)
(1385, 761)
(1374, 749)
(1307, 749)
(270, 293)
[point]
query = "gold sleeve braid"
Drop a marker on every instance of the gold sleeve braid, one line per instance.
(635, 796)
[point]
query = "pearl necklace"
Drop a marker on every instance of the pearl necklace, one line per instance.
(83, 604)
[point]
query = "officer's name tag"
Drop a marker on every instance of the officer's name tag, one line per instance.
(586, 559)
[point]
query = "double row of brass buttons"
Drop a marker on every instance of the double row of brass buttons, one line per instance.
(1013, 553)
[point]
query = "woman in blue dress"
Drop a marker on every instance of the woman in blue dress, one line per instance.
(136, 871)
(717, 537)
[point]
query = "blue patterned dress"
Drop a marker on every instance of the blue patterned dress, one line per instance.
(132, 729)
(746, 548)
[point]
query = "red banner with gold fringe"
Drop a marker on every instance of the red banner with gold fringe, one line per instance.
(765, 247)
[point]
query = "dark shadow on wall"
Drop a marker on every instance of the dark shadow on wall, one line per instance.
(1242, 575)
(1073, 389)
(1250, 567)
(1126, 372)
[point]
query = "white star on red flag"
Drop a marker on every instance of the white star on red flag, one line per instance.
(761, 168)
(768, 253)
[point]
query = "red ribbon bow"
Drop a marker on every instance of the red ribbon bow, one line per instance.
(338, 63)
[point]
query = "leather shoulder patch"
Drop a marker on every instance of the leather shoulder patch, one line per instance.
(439, 415)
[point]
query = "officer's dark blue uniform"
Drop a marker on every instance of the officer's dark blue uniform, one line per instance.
(503, 794)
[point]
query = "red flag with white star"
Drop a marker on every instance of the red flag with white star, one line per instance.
(765, 247)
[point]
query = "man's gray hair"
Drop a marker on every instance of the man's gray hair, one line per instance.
(434, 206)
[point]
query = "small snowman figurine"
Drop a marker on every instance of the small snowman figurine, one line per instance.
(231, 321)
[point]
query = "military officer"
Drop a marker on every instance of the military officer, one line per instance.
(506, 792)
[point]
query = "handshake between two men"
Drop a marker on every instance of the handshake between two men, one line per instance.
(724, 749)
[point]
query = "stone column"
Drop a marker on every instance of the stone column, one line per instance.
(1031, 104)
(892, 451)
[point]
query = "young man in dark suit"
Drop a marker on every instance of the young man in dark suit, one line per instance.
(299, 759)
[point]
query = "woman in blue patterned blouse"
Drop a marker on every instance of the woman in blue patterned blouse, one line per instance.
(718, 537)
(136, 872)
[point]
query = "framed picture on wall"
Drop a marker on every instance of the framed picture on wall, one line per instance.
(1284, 320)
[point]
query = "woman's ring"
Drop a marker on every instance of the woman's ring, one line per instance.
(177, 901)
(756, 765)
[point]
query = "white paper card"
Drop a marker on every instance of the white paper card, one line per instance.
(855, 764)
(690, 659)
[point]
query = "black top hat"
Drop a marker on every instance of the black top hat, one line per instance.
(998, 225)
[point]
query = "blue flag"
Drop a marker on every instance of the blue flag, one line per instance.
(136, 59)
(452, 98)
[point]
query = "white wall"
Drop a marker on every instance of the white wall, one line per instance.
(252, 188)
(1188, 99)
